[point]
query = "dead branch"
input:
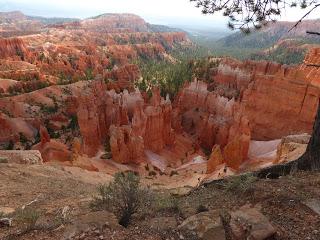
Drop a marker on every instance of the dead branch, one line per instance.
(314, 33)
(297, 23)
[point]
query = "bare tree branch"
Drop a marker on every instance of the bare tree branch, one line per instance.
(315, 33)
(310, 11)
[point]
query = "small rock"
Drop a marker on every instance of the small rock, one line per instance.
(5, 222)
(314, 205)
(65, 212)
(6, 210)
(82, 236)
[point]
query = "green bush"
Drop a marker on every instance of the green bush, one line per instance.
(124, 196)
(27, 217)
(3, 160)
(201, 208)
(166, 203)
(242, 183)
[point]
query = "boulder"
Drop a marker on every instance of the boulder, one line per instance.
(161, 223)
(291, 148)
(83, 223)
(249, 223)
(54, 151)
(206, 225)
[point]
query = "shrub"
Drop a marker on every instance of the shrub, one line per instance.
(201, 208)
(152, 174)
(166, 203)
(242, 183)
(123, 196)
(3, 160)
(89, 74)
(23, 138)
(74, 123)
(10, 145)
(27, 217)
(49, 109)
(172, 173)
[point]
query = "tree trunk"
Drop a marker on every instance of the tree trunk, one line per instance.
(309, 161)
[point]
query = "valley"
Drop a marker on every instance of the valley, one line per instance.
(84, 99)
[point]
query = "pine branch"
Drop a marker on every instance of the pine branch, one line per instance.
(297, 23)
(315, 33)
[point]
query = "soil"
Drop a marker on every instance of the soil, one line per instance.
(50, 189)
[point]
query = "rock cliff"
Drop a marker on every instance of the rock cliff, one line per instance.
(278, 100)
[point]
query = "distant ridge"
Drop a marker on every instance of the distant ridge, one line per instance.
(271, 34)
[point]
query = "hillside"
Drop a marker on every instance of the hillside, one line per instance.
(59, 199)
(64, 52)
(272, 33)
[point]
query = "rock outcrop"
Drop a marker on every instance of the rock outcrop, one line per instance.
(21, 157)
(13, 48)
(215, 120)
(125, 122)
(278, 100)
(52, 150)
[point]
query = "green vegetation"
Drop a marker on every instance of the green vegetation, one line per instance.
(124, 197)
(168, 76)
(26, 86)
(10, 145)
(3, 160)
(282, 55)
(219, 49)
(23, 138)
(241, 183)
(49, 109)
(27, 218)
(73, 125)
(89, 74)
(164, 202)
(201, 208)
(253, 46)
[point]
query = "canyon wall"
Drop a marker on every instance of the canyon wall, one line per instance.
(278, 100)
(125, 122)
(215, 121)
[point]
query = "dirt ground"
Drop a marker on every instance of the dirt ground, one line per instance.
(52, 189)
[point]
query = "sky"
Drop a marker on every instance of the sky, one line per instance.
(168, 12)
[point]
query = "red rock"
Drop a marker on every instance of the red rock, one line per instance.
(53, 151)
(124, 76)
(278, 100)
(215, 159)
(215, 120)
(236, 151)
(125, 146)
(44, 135)
(13, 48)
(248, 222)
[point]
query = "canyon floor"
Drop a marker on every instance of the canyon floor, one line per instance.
(290, 203)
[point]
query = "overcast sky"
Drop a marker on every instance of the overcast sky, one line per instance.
(154, 11)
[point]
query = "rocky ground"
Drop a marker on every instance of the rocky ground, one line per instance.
(57, 206)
